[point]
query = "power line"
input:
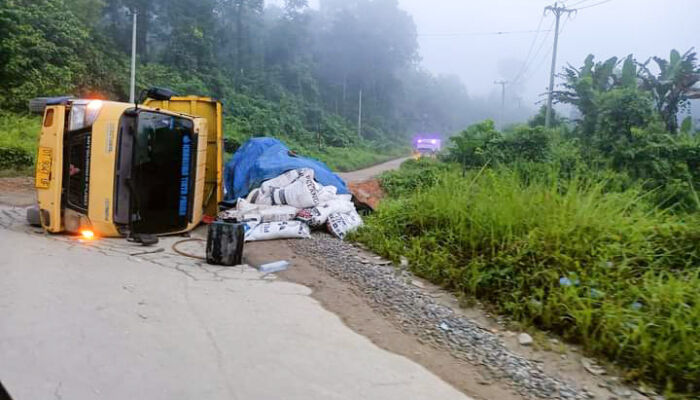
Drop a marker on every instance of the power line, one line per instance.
(537, 53)
(549, 52)
(578, 3)
(529, 52)
(594, 5)
(478, 33)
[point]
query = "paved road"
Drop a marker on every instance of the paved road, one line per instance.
(368, 173)
(88, 320)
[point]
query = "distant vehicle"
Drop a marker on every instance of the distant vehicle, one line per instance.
(426, 146)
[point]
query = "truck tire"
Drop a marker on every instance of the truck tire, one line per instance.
(38, 104)
(33, 217)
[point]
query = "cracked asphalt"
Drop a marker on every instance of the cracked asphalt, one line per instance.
(98, 320)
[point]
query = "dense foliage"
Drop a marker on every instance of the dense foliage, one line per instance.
(281, 70)
(18, 141)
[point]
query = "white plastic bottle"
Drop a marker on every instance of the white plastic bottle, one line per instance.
(271, 268)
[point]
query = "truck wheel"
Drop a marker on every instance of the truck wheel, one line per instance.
(33, 217)
(37, 105)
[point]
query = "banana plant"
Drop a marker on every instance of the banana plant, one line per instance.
(582, 85)
(672, 86)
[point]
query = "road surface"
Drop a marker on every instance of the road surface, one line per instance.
(368, 173)
(96, 320)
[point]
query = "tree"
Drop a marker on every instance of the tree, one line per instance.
(672, 86)
(378, 40)
(583, 85)
(117, 16)
(42, 50)
(620, 112)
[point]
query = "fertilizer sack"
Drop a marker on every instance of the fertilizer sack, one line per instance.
(329, 193)
(257, 196)
(285, 179)
(302, 193)
(317, 216)
(340, 224)
(278, 230)
(244, 210)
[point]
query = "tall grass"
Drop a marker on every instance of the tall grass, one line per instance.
(19, 131)
(601, 268)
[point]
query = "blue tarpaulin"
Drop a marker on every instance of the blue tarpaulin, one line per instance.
(260, 159)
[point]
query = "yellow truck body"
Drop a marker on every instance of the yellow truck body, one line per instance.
(115, 169)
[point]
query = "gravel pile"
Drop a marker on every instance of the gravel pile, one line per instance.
(391, 293)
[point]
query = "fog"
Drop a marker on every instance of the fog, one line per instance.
(642, 27)
(455, 37)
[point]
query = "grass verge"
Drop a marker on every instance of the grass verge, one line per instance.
(602, 269)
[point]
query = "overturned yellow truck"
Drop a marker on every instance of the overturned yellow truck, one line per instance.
(116, 169)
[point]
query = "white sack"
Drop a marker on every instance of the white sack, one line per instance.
(245, 211)
(278, 230)
(327, 193)
(317, 216)
(285, 179)
(340, 224)
(256, 196)
(301, 193)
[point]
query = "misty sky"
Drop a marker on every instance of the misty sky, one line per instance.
(616, 28)
(448, 43)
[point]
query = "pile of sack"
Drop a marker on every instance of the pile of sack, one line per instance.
(292, 204)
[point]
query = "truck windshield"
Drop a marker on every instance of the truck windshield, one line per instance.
(162, 173)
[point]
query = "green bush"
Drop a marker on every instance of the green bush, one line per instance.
(631, 144)
(18, 140)
(413, 175)
(482, 144)
(604, 269)
(15, 158)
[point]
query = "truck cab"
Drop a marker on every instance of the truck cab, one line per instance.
(116, 169)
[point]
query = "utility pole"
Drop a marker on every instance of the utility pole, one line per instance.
(503, 84)
(132, 91)
(359, 117)
(557, 10)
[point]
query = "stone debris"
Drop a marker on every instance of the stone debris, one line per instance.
(391, 291)
(417, 284)
(524, 339)
(592, 367)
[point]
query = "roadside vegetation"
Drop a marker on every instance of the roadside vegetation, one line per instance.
(590, 230)
(18, 141)
(281, 69)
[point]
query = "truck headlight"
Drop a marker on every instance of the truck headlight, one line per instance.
(83, 113)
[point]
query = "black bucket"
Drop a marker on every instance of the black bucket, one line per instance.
(225, 243)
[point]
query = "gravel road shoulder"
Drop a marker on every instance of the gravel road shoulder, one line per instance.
(468, 348)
